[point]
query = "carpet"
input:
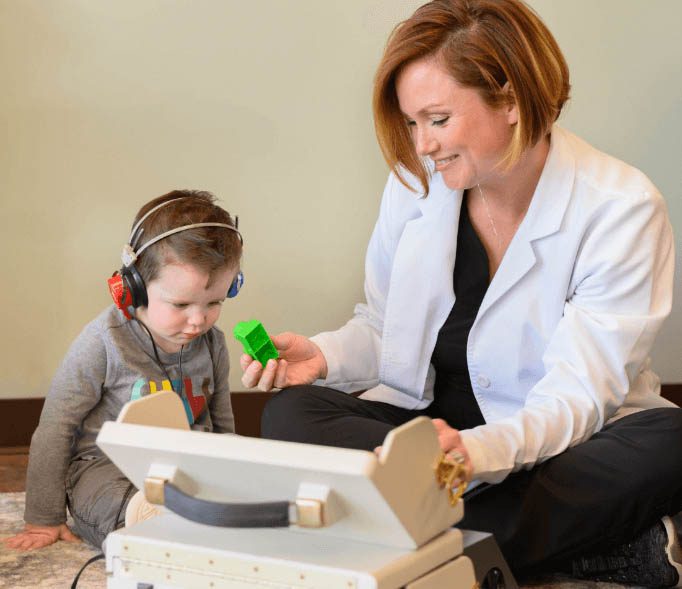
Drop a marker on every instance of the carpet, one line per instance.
(48, 568)
(56, 566)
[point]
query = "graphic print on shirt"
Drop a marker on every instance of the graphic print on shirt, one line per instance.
(193, 399)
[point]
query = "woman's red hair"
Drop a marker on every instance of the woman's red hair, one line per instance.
(499, 47)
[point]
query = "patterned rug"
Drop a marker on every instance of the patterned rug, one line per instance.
(48, 568)
(56, 566)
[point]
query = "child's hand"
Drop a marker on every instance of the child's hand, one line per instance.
(40, 536)
(300, 362)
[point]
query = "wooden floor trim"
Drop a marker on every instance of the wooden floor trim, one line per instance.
(11, 450)
(19, 417)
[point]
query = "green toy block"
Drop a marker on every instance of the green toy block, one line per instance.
(255, 340)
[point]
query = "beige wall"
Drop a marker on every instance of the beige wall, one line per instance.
(266, 103)
(626, 67)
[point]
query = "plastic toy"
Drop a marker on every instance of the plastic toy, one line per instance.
(255, 340)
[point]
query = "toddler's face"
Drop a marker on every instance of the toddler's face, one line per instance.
(182, 305)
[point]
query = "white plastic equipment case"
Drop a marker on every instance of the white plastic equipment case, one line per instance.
(357, 520)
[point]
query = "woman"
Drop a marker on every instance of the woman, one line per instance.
(515, 281)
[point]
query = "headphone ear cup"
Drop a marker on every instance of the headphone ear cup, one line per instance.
(236, 285)
(136, 286)
(120, 293)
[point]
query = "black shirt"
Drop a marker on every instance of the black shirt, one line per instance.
(454, 399)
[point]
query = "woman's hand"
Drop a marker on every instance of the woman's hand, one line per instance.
(40, 536)
(451, 443)
(300, 362)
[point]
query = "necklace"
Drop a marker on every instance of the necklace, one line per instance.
(490, 218)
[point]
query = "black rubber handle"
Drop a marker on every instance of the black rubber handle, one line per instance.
(274, 514)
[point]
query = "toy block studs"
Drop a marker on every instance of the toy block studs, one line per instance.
(255, 340)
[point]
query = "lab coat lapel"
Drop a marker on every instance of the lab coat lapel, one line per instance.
(544, 218)
(422, 268)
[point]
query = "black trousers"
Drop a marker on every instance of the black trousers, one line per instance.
(590, 498)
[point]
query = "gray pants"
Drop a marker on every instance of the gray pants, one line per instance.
(97, 495)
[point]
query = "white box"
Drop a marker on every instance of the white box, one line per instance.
(388, 523)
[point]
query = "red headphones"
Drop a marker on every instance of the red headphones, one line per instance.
(127, 286)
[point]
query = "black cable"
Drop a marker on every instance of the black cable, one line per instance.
(78, 576)
(114, 528)
(182, 382)
(131, 486)
(161, 364)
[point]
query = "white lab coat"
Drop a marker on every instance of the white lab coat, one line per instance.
(561, 341)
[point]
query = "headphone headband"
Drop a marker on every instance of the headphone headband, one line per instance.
(133, 238)
(129, 254)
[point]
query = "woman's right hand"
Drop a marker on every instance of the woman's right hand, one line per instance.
(300, 362)
(40, 536)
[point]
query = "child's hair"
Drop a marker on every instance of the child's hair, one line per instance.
(209, 248)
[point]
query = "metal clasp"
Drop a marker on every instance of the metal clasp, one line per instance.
(447, 473)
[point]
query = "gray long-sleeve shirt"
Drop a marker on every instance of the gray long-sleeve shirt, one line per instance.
(111, 362)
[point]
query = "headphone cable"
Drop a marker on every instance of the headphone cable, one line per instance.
(161, 364)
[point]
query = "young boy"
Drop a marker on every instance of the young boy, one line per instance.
(181, 261)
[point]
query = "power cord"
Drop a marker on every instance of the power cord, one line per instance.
(87, 564)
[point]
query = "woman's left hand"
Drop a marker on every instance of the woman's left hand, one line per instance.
(451, 443)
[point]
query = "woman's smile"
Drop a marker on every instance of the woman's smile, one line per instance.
(441, 164)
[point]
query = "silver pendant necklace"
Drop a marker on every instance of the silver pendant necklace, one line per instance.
(490, 218)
